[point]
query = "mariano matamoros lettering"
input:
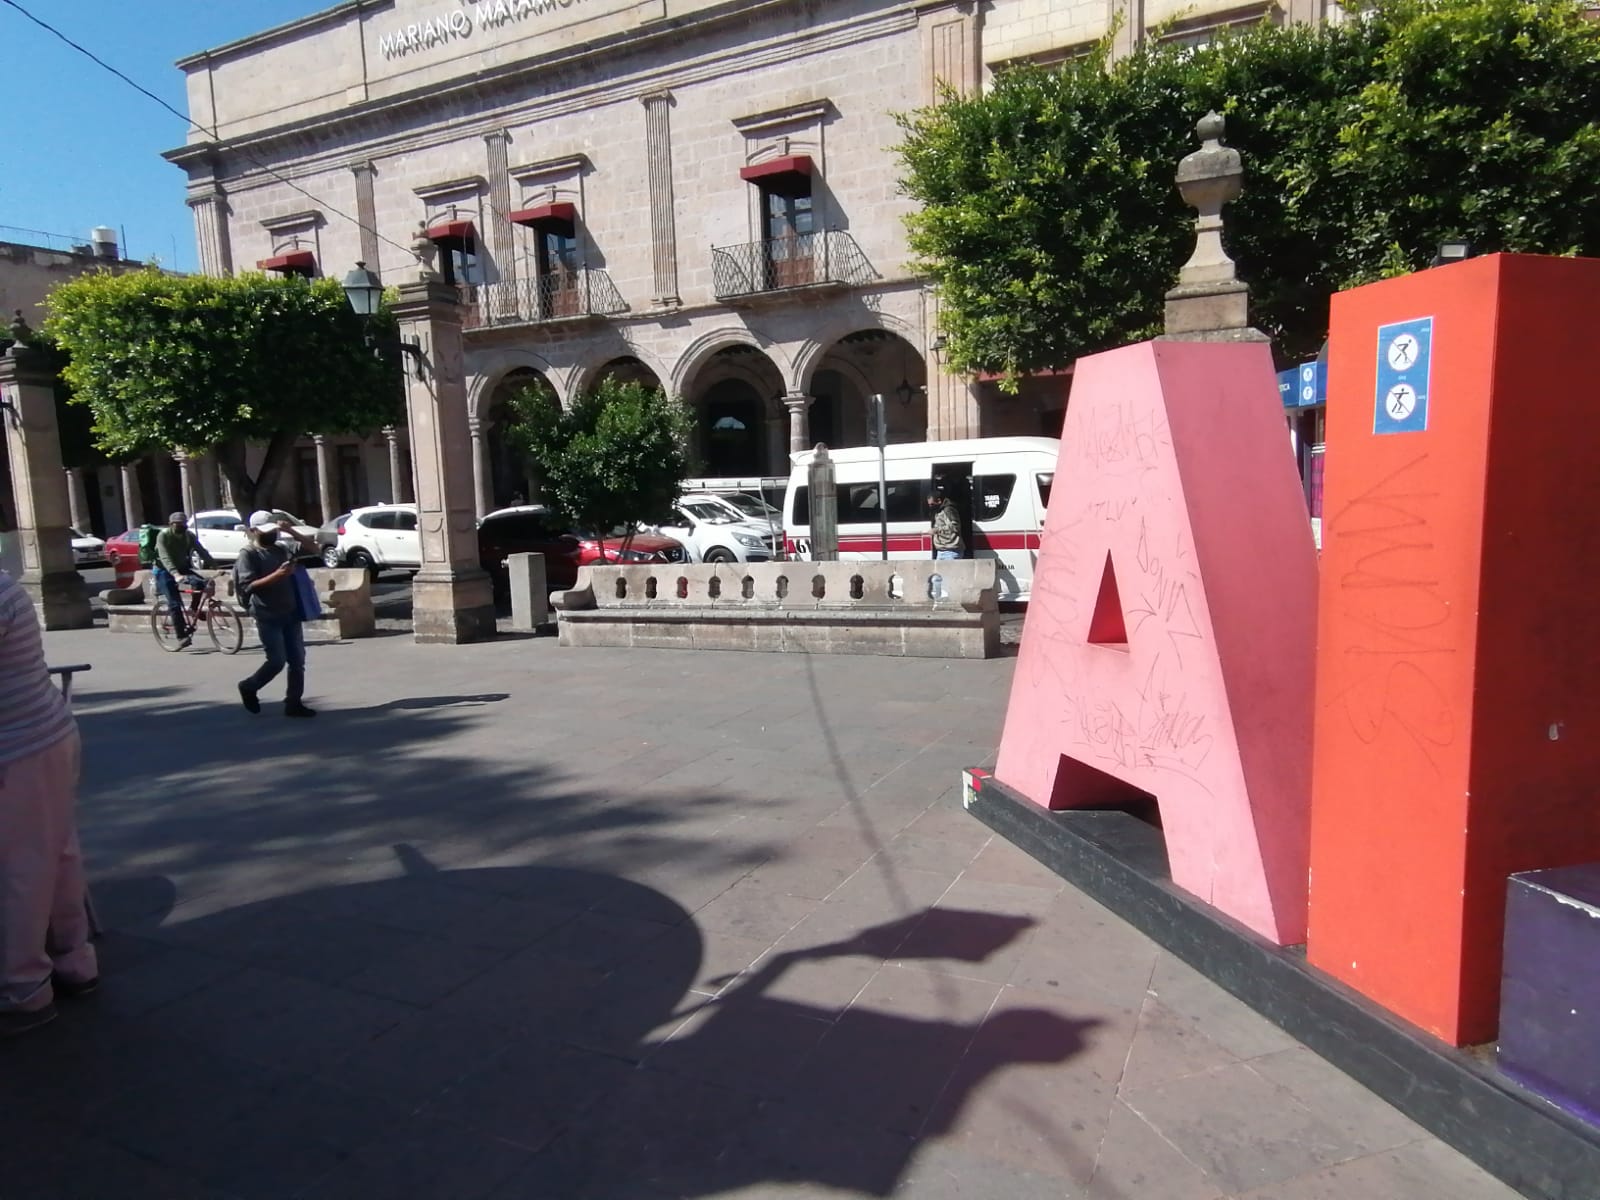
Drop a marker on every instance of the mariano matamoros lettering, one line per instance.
(463, 22)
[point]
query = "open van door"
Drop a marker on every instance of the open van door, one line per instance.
(957, 481)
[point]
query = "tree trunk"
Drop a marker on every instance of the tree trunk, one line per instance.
(252, 493)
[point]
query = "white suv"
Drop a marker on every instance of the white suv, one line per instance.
(381, 537)
(713, 531)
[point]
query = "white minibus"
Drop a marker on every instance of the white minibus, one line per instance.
(1001, 486)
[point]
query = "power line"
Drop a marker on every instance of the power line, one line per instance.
(207, 130)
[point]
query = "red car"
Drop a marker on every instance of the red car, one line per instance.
(122, 552)
(533, 529)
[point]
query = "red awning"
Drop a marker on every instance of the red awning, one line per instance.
(794, 164)
(295, 260)
(450, 229)
(546, 212)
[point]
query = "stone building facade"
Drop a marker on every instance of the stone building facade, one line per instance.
(696, 193)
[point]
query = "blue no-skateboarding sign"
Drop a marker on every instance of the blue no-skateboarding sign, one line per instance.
(1405, 365)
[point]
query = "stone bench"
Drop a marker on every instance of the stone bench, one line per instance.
(345, 593)
(916, 608)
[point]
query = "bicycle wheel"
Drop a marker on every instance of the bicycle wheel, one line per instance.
(224, 626)
(161, 625)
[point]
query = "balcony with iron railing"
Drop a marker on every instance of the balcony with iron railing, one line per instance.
(566, 295)
(803, 261)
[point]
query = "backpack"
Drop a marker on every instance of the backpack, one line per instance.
(147, 544)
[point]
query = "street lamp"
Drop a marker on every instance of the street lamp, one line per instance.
(364, 290)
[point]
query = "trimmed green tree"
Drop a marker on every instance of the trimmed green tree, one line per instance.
(217, 365)
(1050, 223)
(612, 460)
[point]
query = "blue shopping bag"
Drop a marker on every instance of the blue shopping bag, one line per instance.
(305, 595)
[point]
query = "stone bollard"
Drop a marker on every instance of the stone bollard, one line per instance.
(530, 599)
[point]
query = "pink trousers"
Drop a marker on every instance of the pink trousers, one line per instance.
(44, 920)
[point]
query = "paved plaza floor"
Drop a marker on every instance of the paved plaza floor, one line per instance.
(514, 920)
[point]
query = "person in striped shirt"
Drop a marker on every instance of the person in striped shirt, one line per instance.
(45, 950)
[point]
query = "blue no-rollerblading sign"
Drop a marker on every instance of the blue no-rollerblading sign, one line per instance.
(1405, 364)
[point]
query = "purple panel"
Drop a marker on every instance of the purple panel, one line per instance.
(1550, 989)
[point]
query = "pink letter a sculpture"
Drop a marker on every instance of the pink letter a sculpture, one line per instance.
(1169, 641)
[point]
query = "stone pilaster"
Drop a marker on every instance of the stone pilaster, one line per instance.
(502, 235)
(211, 236)
(367, 215)
(663, 223)
(1127, 18)
(952, 54)
(452, 600)
(39, 486)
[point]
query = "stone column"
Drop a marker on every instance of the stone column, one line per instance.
(663, 222)
(797, 405)
(39, 486)
(327, 488)
(452, 600)
(482, 477)
(132, 500)
(77, 504)
(187, 484)
(399, 473)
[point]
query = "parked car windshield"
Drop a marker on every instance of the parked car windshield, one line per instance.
(751, 506)
(712, 514)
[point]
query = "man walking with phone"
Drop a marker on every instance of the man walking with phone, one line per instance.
(263, 576)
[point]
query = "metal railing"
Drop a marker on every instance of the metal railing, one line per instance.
(586, 292)
(781, 264)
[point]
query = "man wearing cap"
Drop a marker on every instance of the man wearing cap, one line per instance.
(176, 550)
(264, 578)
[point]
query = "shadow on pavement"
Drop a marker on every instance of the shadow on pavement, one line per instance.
(485, 1032)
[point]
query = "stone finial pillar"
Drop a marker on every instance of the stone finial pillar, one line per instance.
(1210, 303)
(327, 489)
(481, 471)
(39, 485)
(798, 405)
(132, 499)
(77, 502)
(399, 473)
(452, 600)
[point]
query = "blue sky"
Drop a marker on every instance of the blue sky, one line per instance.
(80, 148)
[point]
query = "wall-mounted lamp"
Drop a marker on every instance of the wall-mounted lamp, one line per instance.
(364, 290)
(906, 391)
(1452, 250)
(938, 346)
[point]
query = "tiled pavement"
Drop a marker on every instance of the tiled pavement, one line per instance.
(519, 921)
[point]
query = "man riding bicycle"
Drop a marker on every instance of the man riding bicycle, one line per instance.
(176, 550)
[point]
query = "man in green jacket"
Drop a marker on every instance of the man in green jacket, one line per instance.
(176, 550)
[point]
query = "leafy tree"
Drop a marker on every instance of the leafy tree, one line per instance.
(1051, 225)
(613, 459)
(207, 364)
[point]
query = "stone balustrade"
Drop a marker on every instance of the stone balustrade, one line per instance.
(345, 593)
(916, 608)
